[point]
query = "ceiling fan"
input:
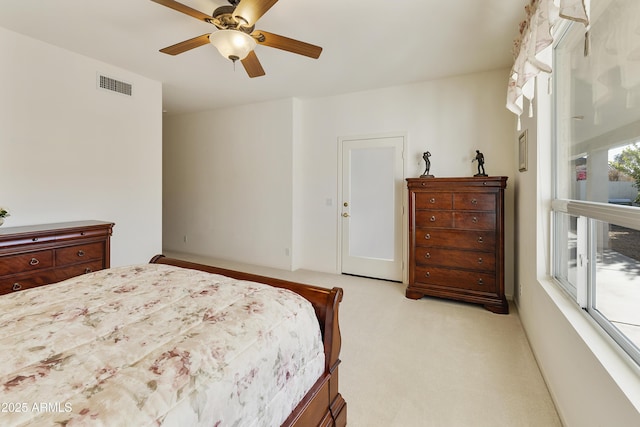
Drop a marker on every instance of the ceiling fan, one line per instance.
(236, 36)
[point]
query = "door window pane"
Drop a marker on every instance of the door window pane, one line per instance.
(372, 203)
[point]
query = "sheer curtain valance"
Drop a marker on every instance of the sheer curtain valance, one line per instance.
(536, 35)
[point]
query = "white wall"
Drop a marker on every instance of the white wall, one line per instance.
(228, 183)
(450, 117)
(246, 183)
(69, 151)
(591, 383)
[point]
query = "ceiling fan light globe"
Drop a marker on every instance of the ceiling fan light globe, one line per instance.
(232, 43)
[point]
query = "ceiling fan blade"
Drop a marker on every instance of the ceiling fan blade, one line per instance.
(251, 10)
(252, 65)
(285, 43)
(184, 9)
(186, 45)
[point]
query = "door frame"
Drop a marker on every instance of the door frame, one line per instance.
(405, 220)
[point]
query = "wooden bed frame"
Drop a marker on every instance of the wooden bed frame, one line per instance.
(323, 405)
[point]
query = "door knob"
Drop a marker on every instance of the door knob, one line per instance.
(344, 214)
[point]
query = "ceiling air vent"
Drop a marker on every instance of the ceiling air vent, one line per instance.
(114, 85)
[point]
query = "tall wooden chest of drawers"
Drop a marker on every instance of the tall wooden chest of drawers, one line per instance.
(456, 238)
(37, 255)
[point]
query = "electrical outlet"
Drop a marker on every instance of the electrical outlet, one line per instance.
(520, 286)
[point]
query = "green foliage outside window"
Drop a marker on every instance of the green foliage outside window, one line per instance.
(628, 162)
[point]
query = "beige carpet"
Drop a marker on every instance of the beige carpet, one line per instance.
(429, 362)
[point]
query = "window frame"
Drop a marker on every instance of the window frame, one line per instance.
(584, 296)
(587, 213)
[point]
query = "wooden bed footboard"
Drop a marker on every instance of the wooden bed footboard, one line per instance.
(323, 405)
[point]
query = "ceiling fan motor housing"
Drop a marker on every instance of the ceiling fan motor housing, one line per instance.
(223, 19)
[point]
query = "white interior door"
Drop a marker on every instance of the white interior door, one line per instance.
(371, 214)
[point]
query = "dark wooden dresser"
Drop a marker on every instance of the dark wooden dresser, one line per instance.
(37, 255)
(456, 240)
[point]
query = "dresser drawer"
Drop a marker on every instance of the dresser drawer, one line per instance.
(31, 261)
(83, 234)
(440, 219)
(431, 200)
(474, 220)
(27, 240)
(471, 280)
(461, 239)
(26, 281)
(472, 260)
(474, 201)
(78, 269)
(79, 253)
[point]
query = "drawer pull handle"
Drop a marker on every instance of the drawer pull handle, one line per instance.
(432, 200)
(34, 261)
(480, 239)
(427, 274)
(474, 220)
(433, 218)
(479, 260)
(474, 201)
(35, 239)
(80, 252)
(82, 233)
(427, 255)
(87, 270)
(16, 286)
(480, 282)
(427, 236)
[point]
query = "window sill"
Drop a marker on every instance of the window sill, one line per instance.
(620, 367)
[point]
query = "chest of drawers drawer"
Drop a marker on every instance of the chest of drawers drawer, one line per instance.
(470, 260)
(457, 279)
(474, 201)
(435, 218)
(477, 240)
(474, 220)
(434, 200)
(456, 219)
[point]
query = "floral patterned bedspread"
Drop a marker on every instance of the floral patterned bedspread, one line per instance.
(155, 345)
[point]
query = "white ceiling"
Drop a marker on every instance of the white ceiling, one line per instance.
(367, 44)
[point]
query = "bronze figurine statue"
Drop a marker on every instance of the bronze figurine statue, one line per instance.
(480, 158)
(427, 162)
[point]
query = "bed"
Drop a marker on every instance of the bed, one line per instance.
(171, 343)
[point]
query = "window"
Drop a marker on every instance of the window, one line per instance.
(596, 216)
